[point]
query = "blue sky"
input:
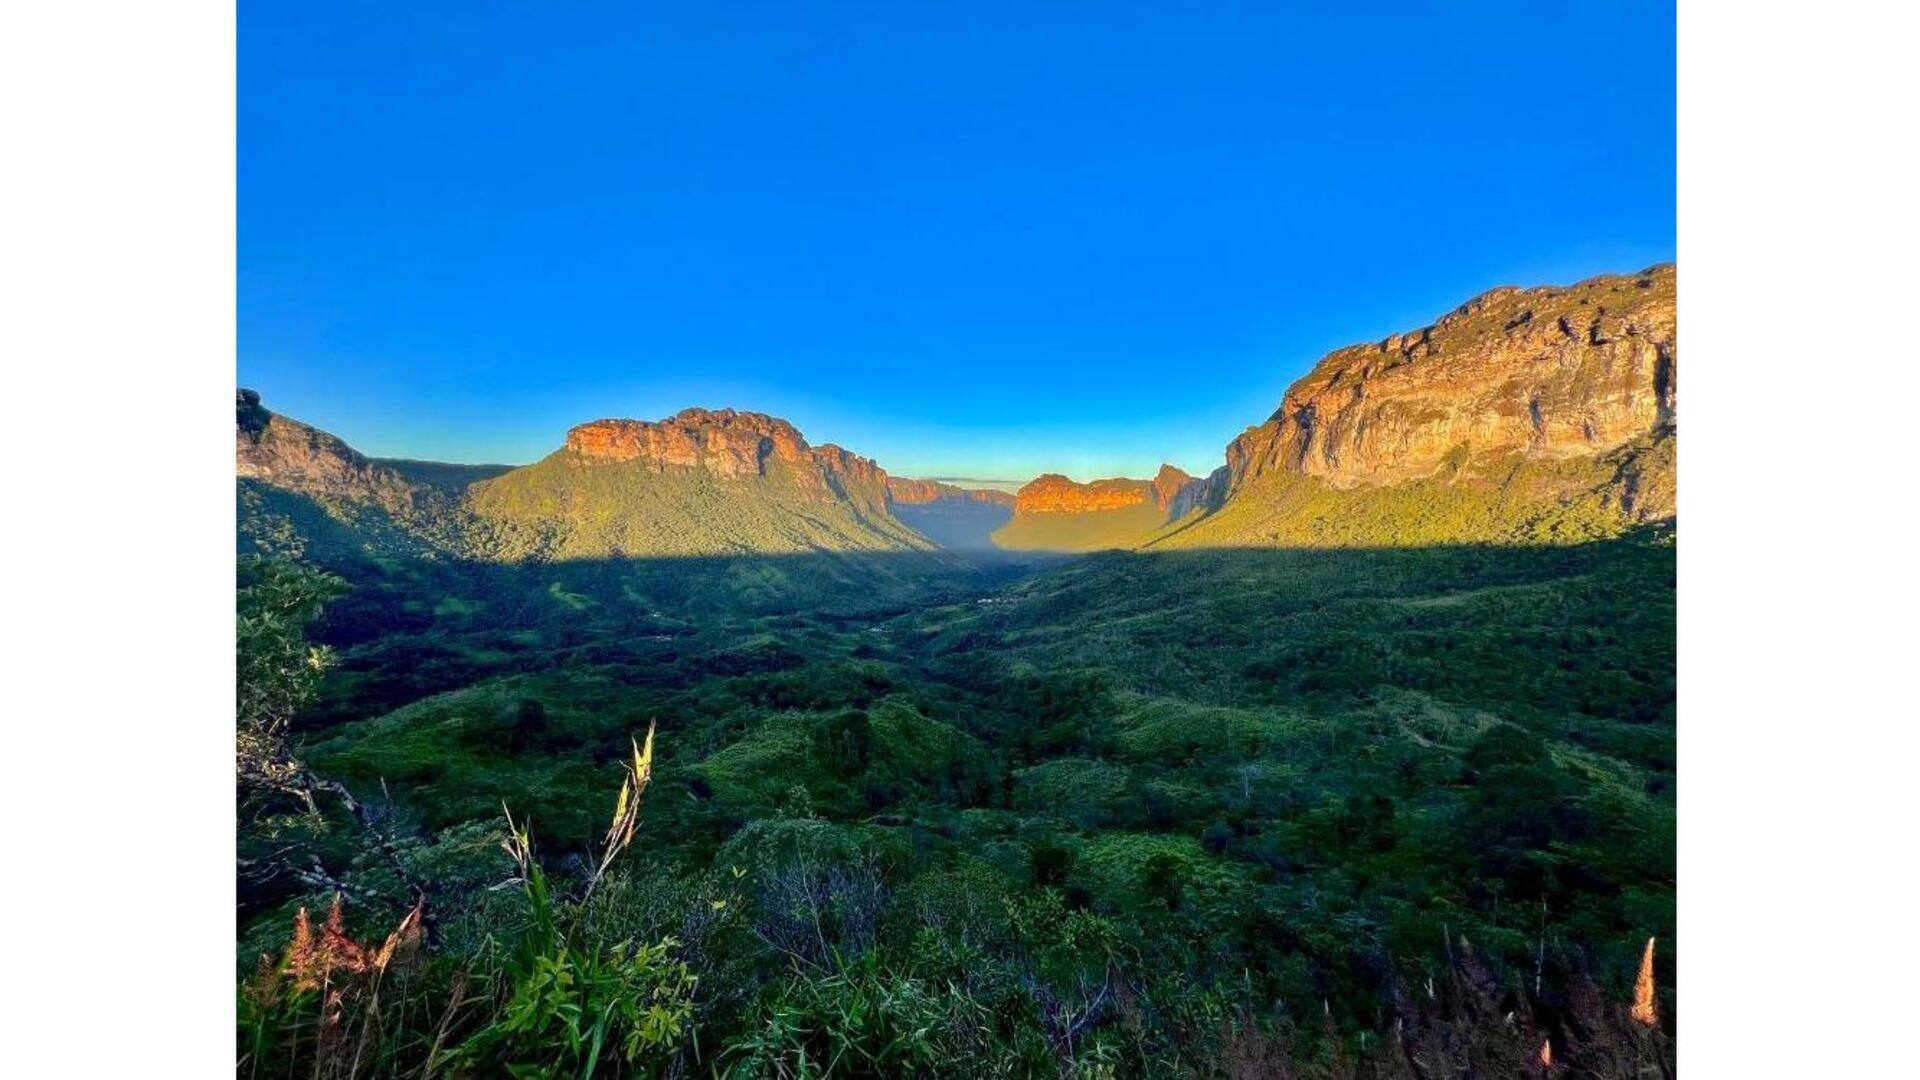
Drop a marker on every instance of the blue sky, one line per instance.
(968, 239)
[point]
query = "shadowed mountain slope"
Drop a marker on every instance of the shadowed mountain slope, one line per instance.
(959, 518)
(698, 483)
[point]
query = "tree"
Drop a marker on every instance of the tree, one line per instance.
(276, 672)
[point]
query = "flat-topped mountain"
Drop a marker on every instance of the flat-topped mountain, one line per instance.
(1055, 513)
(724, 442)
(960, 518)
(1525, 415)
(702, 482)
(905, 491)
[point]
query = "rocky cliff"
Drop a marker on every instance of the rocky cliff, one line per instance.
(905, 491)
(291, 456)
(949, 515)
(724, 442)
(1542, 415)
(732, 445)
(1054, 513)
(1542, 372)
(699, 483)
(1171, 490)
(1052, 493)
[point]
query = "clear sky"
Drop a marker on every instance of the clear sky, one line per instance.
(968, 239)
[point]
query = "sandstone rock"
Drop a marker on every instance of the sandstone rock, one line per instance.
(1172, 490)
(1544, 372)
(290, 455)
(903, 491)
(723, 441)
(954, 517)
(1052, 493)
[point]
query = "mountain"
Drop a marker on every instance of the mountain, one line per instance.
(1054, 513)
(959, 518)
(1525, 415)
(1543, 414)
(699, 483)
(283, 453)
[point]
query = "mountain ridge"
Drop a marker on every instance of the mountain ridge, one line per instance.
(1545, 414)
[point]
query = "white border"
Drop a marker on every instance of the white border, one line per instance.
(117, 287)
(1798, 605)
(1797, 598)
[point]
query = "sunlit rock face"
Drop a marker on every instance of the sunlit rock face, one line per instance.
(1548, 372)
(1052, 493)
(1171, 490)
(734, 445)
(723, 441)
(287, 454)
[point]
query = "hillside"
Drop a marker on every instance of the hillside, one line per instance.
(283, 453)
(1358, 760)
(961, 519)
(1525, 415)
(700, 483)
(1054, 513)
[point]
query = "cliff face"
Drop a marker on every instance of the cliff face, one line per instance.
(909, 492)
(724, 442)
(1171, 490)
(1051, 493)
(1053, 513)
(1544, 372)
(735, 446)
(698, 483)
(289, 455)
(962, 519)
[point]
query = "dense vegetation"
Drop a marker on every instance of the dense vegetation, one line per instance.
(1489, 499)
(563, 507)
(1334, 811)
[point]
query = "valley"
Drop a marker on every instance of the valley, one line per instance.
(1352, 758)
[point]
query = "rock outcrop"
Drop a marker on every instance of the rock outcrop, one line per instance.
(1054, 513)
(291, 456)
(1052, 493)
(699, 483)
(961, 519)
(1542, 372)
(1172, 490)
(732, 445)
(905, 491)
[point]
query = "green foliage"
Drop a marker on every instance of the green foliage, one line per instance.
(277, 669)
(566, 507)
(1146, 813)
(1508, 499)
(571, 1001)
(569, 1008)
(860, 1020)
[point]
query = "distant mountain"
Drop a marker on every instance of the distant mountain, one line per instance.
(1525, 415)
(698, 483)
(1540, 415)
(1054, 513)
(960, 518)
